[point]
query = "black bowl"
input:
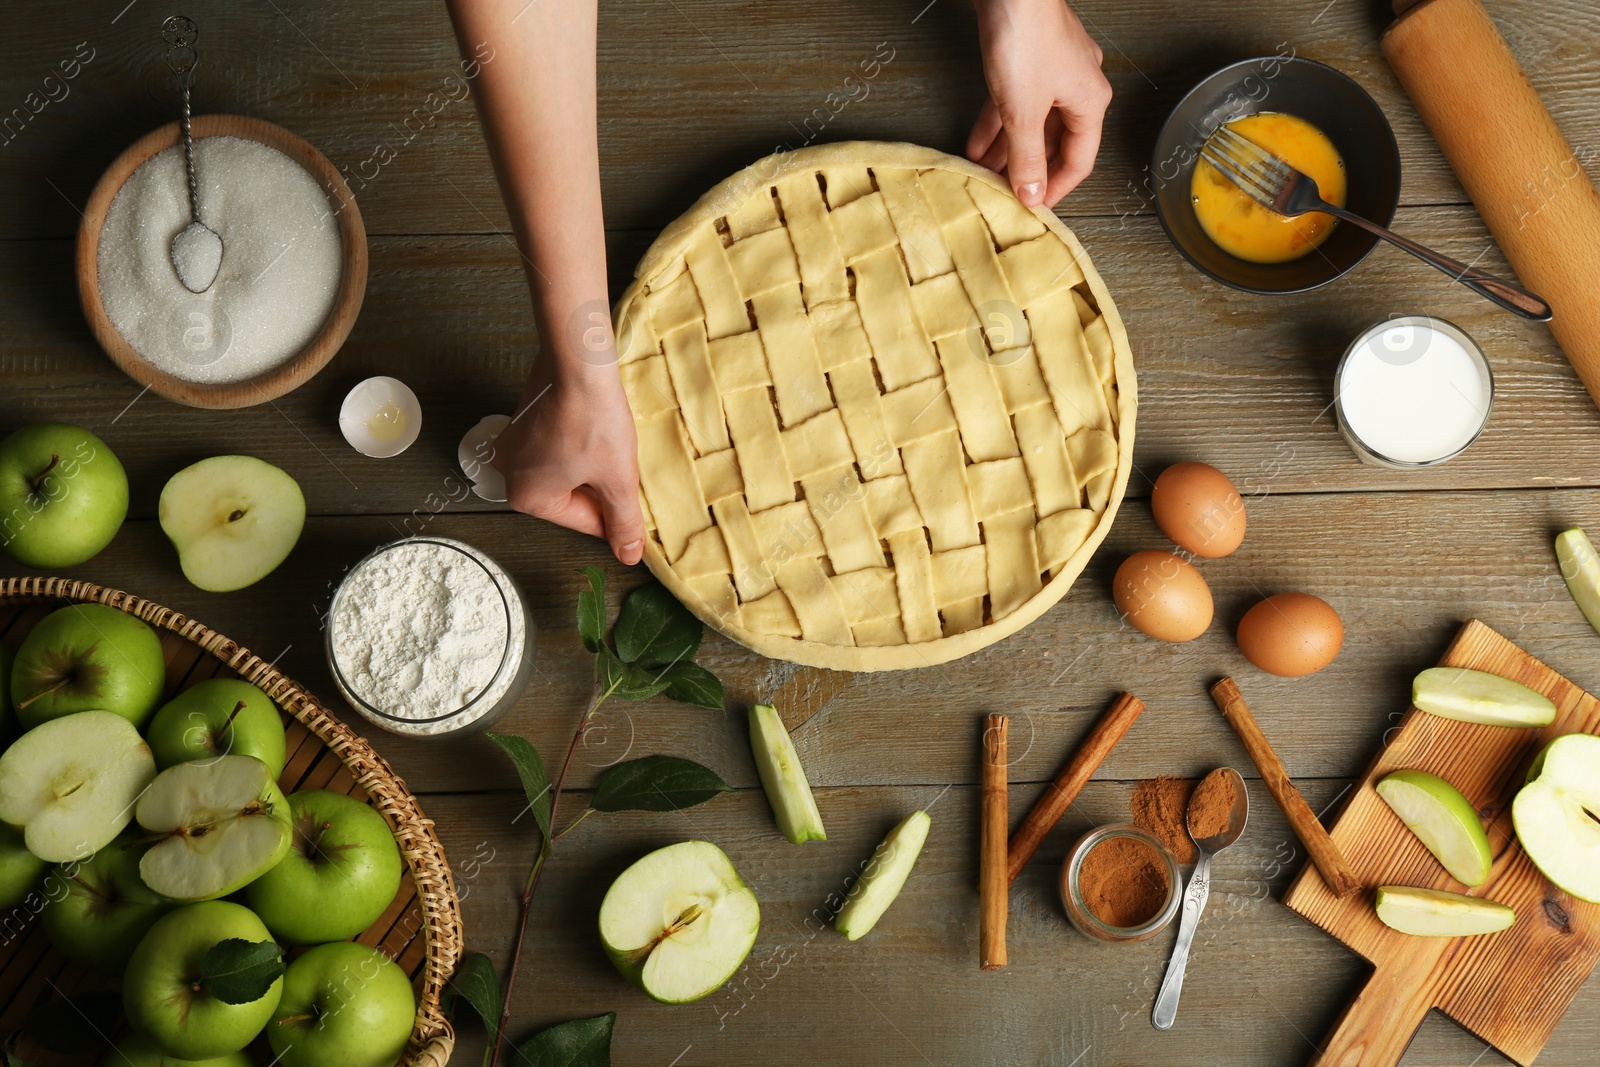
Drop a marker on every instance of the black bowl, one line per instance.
(1323, 97)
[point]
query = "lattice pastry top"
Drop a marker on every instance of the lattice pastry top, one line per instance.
(885, 412)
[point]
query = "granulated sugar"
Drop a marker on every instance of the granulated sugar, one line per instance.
(420, 630)
(280, 269)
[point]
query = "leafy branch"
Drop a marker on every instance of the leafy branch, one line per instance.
(650, 652)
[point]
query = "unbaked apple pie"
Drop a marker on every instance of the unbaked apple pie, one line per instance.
(885, 412)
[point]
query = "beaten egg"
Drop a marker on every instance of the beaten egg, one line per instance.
(1291, 634)
(1199, 509)
(1163, 596)
(1240, 226)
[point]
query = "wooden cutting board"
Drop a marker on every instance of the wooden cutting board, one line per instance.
(1510, 988)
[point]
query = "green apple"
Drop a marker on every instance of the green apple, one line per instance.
(220, 824)
(1556, 814)
(71, 783)
(341, 873)
(7, 713)
(233, 519)
(135, 1050)
(782, 777)
(63, 495)
(1436, 913)
(218, 717)
(103, 908)
(20, 870)
(165, 998)
(1580, 568)
(88, 657)
(884, 876)
(1477, 696)
(679, 922)
(1443, 819)
(344, 1005)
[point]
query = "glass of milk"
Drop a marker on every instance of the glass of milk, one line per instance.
(1412, 391)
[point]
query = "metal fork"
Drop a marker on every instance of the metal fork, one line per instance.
(1281, 188)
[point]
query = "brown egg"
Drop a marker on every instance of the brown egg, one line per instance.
(1163, 596)
(1197, 506)
(1291, 634)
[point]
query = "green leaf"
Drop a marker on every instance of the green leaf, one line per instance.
(578, 1043)
(693, 684)
(629, 681)
(13, 1060)
(592, 610)
(656, 783)
(74, 1025)
(530, 768)
(475, 982)
(236, 971)
(653, 629)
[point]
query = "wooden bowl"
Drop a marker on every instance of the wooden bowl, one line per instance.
(420, 930)
(287, 376)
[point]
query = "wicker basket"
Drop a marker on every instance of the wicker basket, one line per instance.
(421, 930)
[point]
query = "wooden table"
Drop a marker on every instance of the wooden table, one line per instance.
(690, 90)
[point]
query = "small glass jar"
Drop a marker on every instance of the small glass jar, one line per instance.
(1078, 911)
(1412, 392)
(494, 699)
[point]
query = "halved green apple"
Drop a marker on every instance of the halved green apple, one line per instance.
(884, 877)
(782, 777)
(679, 922)
(1477, 696)
(1580, 568)
(222, 823)
(1436, 913)
(233, 519)
(1446, 821)
(71, 783)
(1557, 814)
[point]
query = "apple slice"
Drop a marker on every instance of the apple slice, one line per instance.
(1557, 814)
(224, 824)
(1476, 696)
(233, 519)
(783, 778)
(1580, 568)
(679, 922)
(1435, 913)
(1446, 821)
(71, 783)
(884, 877)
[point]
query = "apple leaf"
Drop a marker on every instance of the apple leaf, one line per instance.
(628, 681)
(653, 629)
(236, 971)
(530, 768)
(592, 609)
(577, 1043)
(656, 783)
(475, 983)
(693, 684)
(71, 1026)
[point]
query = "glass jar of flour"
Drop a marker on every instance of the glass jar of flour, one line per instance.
(428, 636)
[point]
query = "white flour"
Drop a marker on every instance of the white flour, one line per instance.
(279, 275)
(420, 630)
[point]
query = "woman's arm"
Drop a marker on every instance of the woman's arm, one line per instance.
(1047, 98)
(569, 455)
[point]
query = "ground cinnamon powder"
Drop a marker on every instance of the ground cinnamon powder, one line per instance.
(1212, 804)
(1159, 807)
(1123, 882)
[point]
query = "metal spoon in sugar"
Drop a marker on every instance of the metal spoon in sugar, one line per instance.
(197, 250)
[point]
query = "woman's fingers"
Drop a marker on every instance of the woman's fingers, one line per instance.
(1080, 143)
(982, 139)
(1026, 163)
(624, 521)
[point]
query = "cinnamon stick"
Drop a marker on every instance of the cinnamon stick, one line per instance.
(1060, 794)
(1330, 862)
(996, 819)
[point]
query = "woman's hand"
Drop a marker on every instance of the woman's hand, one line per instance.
(570, 456)
(1047, 98)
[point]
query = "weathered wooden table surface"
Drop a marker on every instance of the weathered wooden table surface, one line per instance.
(690, 90)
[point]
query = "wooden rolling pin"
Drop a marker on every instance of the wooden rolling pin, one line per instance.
(1521, 173)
